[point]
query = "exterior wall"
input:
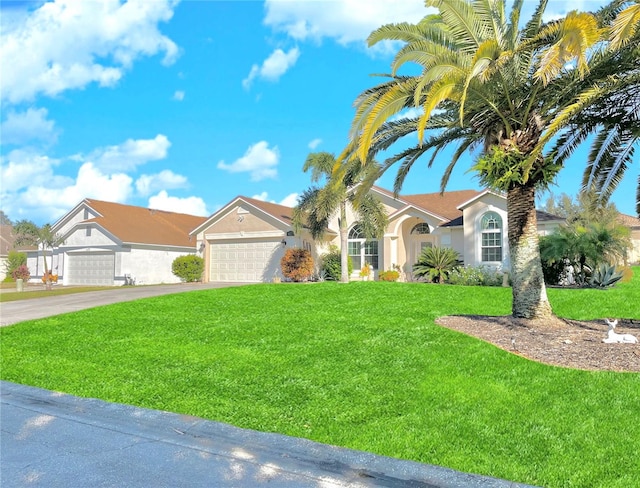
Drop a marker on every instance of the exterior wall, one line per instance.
(240, 220)
(148, 265)
(472, 241)
(634, 253)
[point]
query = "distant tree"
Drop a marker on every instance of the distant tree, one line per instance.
(44, 238)
(15, 259)
(4, 220)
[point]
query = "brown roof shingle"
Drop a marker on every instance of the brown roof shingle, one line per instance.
(276, 210)
(629, 220)
(445, 204)
(145, 226)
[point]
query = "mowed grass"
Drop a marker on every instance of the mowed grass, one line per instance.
(361, 365)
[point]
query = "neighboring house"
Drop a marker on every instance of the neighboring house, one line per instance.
(6, 245)
(245, 240)
(633, 223)
(106, 243)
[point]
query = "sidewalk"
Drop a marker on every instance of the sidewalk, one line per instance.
(53, 440)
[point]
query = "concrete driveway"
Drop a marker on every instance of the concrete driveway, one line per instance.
(38, 308)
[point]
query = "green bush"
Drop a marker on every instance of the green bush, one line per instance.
(435, 263)
(188, 268)
(297, 264)
(475, 276)
(331, 265)
(15, 259)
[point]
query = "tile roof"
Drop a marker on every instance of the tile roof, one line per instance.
(629, 220)
(280, 212)
(445, 204)
(145, 226)
(6, 239)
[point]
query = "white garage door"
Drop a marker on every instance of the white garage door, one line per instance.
(245, 261)
(91, 268)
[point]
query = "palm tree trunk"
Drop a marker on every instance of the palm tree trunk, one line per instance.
(529, 292)
(344, 250)
(47, 274)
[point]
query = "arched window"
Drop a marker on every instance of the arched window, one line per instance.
(491, 229)
(421, 228)
(361, 250)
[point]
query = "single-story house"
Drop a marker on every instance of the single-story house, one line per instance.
(245, 239)
(107, 243)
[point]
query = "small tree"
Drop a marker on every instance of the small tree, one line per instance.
(15, 259)
(188, 268)
(297, 264)
(437, 263)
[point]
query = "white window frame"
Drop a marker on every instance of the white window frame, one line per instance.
(490, 248)
(356, 236)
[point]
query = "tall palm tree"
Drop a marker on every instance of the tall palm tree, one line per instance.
(318, 205)
(493, 89)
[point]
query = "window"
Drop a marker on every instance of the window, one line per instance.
(491, 227)
(361, 250)
(421, 229)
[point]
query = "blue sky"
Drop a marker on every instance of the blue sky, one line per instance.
(182, 106)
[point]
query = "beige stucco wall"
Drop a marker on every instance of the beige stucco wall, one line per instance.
(633, 257)
(239, 220)
(472, 216)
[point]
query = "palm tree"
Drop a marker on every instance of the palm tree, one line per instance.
(611, 110)
(437, 263)
(493, 89)
(317, 206)
(28, 233)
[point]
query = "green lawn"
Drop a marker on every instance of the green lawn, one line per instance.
(360, 365)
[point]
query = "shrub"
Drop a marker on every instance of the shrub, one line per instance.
(15, 259)
(21, 273)
(605, 276)
(475, 276)
(436, 263)
(331, 265)
(188, 268)
(389, 275)
(297, 264)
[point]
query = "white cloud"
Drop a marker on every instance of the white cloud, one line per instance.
(67, 44)
(408, 114)
(166, 179)
(32, 125)
(346, 21)
(277, 64)
(259, 160)
(22, 168)
(290, 200)
(315, 143)
(129, 154)
(48, 197)
(178, 95)
(189, 205)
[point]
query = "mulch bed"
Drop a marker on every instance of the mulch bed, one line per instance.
(560, 342)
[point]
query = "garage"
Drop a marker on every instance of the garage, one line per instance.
(245, 261)
(91, 268)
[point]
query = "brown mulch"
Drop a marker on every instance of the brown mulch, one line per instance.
(560, 342)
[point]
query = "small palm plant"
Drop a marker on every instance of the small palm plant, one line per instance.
(437, 263)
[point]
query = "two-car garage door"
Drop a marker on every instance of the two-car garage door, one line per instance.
(245, 261)
(91, 268)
